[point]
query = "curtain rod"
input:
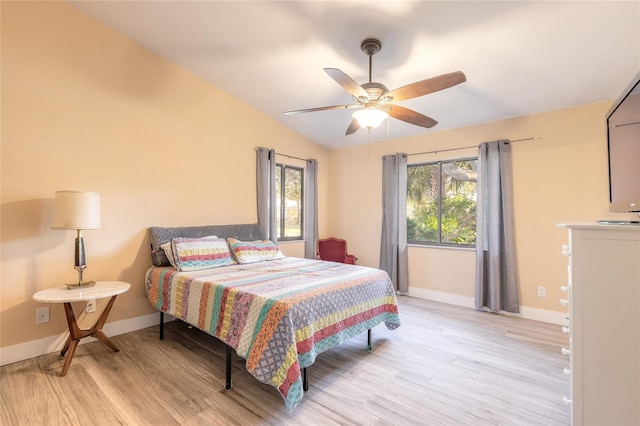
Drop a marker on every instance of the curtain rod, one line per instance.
(292, 156)
(467, 147)
(285, 155)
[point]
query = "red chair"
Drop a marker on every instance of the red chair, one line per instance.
(335, 250)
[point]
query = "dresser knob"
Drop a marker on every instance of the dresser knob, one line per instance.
(565, 351)
(564, 302)
(565, 330)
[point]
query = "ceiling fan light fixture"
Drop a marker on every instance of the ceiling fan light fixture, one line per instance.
(370, 118)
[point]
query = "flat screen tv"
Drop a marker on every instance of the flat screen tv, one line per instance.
(623, 142)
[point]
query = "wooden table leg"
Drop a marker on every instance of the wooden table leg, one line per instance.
(69, 355)
(65, 348)
(76, 334)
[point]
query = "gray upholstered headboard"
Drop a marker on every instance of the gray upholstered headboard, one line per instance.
(159, 236)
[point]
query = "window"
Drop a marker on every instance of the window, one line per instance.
(441, 202)
(289, 202)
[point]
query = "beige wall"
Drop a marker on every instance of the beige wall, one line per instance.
(85, 108)
(562, 176)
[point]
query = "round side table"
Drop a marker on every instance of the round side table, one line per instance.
(62, 294)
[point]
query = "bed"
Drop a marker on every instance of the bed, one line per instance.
(278, 313)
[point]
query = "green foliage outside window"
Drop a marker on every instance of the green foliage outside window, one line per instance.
(289, 202)
(441, 202)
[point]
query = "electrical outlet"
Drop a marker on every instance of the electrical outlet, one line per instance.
(91, 306)
(42, 315)
(541, 291)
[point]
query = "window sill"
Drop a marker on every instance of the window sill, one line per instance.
(442, 247)
(290, 241)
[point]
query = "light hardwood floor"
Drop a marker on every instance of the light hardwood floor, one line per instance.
(444, 365)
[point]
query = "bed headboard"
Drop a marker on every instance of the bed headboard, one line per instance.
(159, 235)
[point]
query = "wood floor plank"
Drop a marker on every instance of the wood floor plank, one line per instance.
(445, 365)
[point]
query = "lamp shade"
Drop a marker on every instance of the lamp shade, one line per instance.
(370, 117)
(76, 210)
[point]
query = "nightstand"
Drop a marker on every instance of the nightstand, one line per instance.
(62, 294)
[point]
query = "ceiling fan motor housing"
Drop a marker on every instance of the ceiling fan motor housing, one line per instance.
(375, 90)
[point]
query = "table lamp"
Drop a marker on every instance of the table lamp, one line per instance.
(77, 210)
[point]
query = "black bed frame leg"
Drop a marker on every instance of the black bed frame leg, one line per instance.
(369, 339)
(305, 380)
(161, 325)
(228, 384)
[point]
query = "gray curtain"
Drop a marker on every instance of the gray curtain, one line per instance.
(310, 220)
(393, 244)
(266, 190)
(496, 270)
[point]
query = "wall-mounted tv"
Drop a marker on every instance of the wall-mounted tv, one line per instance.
(623, 141)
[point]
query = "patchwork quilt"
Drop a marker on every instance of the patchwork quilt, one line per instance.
(278, 314)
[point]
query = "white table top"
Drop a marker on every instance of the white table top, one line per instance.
(62, 294)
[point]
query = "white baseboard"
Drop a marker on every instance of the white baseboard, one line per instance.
(35, 348)
(22, 351)
(535, 314)
(441, 296)
(543, 315)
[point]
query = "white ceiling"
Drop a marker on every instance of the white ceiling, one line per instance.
(519, 57)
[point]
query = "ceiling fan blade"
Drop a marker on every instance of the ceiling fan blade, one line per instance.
(427, 86)
(411, 116)
(325, 108)
(353, 127)
(347, 83)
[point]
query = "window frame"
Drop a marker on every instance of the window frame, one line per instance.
(282, 197)
(441, 181)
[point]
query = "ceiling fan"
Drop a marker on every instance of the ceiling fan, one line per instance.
(376, 102)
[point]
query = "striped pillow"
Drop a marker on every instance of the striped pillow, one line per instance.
(194, 254)
(254, 251)
(168, 249)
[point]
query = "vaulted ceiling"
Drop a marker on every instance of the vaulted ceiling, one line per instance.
(519, 57)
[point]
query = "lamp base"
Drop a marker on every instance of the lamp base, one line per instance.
(81, 285)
